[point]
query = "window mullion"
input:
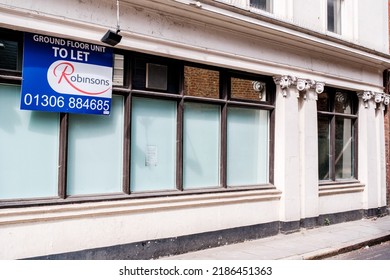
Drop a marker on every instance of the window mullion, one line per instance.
(224, 107)
(126, 144)
(127, 81)
(179, 145)
(63, 155)
(332, 160)
(355, 149)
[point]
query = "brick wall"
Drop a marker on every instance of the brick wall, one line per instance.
(242, 88)
(205, 83)
(201, 82)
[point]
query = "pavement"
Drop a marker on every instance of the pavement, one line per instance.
(307, 244)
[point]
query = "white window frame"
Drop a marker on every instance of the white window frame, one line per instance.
(338, 16)
(269, 8)
(245, 4)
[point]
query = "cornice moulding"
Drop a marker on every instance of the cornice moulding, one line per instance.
(266, 27)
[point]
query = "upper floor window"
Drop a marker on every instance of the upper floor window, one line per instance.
(265, 5)
(253, 5)
(334, 16)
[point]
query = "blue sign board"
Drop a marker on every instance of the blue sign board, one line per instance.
(62, 75)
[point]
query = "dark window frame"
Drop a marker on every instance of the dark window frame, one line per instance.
(331, 114)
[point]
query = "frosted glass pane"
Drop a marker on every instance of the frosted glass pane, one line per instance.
(28, 149)
(153, 145)
(201, 145)
(95, 152)
(344, 160)
(247, 147)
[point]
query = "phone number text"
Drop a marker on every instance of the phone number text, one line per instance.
(52, 101)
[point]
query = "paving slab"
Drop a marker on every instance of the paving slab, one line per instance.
(306, 244)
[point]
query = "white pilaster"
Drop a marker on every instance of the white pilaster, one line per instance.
(286, 172)
(368, 152)
(381, 152)
(309, 155)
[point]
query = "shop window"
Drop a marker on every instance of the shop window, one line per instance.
(247, 146)
(153, 145)
(334, 16)
(201, 155)
(29, 143)
(95, 152)
(215, 134)
(337, 121)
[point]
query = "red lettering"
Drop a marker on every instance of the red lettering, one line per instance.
(66, 70)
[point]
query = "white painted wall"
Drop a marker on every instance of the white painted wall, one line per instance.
(364, 22)
(310, 14)
(58, 229)
(373, 30)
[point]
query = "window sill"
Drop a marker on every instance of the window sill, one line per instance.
(340, 188)
(132, 206)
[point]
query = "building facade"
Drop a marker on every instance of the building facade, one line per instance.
(229, 120)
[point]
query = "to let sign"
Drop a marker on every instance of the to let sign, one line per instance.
(62, 75)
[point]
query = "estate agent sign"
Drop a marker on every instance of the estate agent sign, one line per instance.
(62, 75)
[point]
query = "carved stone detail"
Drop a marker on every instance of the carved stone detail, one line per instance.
(381, 99)
(319, 87)
(259, 87)
(378, 97)
(284, 82)
(303, 85)
(386, 99)
(365, 96)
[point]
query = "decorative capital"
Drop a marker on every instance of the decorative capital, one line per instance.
(381, 98)
(303, 85)
(378, 97)
(386, 99)
(284, 82)
(365, 96)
